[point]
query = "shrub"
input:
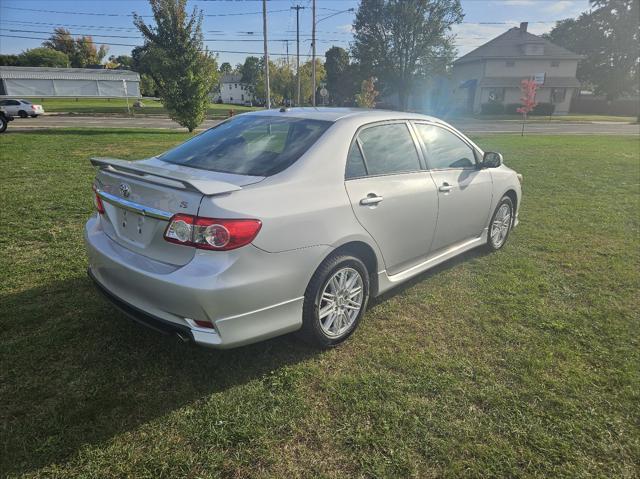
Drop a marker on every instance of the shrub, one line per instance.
(492, 108)
(543, 109)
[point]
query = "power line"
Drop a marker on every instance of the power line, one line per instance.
(131, 15)
(215, 50)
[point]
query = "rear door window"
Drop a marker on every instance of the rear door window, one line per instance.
(389, 149)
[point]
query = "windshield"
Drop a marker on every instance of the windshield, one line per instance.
(249, 145)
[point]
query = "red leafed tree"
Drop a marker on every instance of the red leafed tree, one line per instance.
(528, 99)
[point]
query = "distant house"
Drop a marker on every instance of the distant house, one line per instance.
(493, 72)
(233, 91)
(44, 82)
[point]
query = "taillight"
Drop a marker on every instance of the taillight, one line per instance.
(210, 233)
(97, 201)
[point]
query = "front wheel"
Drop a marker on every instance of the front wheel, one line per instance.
(3, 124)
(501, 223)
(335, 301)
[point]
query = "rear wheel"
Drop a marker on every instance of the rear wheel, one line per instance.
(22, 114)
(3, 124)
(501, 223)
(34, 116)
(335, 301)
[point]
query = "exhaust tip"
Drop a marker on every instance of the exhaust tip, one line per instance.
(183, 337)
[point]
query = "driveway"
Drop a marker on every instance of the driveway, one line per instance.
(467, 126)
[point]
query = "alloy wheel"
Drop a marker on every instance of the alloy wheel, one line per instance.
(501, 225)
(340, 302)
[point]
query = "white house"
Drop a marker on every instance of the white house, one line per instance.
(493, 72)
(233, 91)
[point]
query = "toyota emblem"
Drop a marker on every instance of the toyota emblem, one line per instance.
(125, 190)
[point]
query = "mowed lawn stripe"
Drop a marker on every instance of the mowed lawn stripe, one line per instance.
(523, 363)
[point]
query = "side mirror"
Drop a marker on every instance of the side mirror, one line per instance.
(491, 159)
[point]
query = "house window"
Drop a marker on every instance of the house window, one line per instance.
(510, 63)
(555, 63)
(558, 95)
(235, 85)
(496, 95)
(230, 98)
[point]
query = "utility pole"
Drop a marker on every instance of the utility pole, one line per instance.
(297, 8)
(313, 55)
(266, 55)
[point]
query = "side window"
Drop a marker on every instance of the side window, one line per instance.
(355, 162)
(444, 149)
(389, 149)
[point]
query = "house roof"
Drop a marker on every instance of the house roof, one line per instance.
(549, 82)
(50, 73)
(231, 78)
(509, 45)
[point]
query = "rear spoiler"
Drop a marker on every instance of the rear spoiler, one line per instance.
(154, 174)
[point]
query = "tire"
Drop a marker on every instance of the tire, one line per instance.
(502, 218)
(3, 124)
(34, 116)
(22, 114)
(325, 332)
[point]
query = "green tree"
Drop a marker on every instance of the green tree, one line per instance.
(8, 60)
(252, 72)
(174, 56)
(400, 41)
(123, 62)
(608, 38)
(81, 51)
(43, 57)
(306, 82)
(226, 68)
(341, 79)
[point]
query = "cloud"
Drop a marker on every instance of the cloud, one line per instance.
(347, 28)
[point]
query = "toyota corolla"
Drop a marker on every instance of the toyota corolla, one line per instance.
(290, 220)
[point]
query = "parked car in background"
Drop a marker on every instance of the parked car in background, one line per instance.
(5, 118)
(283, 220)
(22, 108)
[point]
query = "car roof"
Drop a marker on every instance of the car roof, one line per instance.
(335, 114)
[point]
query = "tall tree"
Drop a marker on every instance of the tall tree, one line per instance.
(122, 62)
(399, 41)
(225, 68)
(81, 51)
(608, 37)
(252, 71)
(174, 55)
(341, 81)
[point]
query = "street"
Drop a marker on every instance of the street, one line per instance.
(467, 126)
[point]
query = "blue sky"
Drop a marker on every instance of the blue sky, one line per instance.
(236, 25)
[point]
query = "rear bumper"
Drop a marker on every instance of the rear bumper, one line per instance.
(247, 294)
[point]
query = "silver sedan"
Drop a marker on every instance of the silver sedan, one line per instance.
(290, 220)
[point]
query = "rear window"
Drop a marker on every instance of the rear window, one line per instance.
(249, 145)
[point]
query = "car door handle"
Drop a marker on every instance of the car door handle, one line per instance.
(445, 187)
(371, 199)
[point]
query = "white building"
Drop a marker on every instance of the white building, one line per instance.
(233, 91)
(493, 72)
(44, 82)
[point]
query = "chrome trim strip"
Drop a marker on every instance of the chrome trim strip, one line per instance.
(134, 207)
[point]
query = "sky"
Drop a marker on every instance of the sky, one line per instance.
(233, 28)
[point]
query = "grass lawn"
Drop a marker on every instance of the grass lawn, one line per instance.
(561, 118)
(119, 106)
(523, 363)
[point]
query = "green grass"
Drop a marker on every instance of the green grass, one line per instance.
(523, 363)
(119, 106)
(560, 118)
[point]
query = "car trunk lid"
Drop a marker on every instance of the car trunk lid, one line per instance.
(139, 199)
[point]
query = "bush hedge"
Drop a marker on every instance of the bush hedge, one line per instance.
(492, 108)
